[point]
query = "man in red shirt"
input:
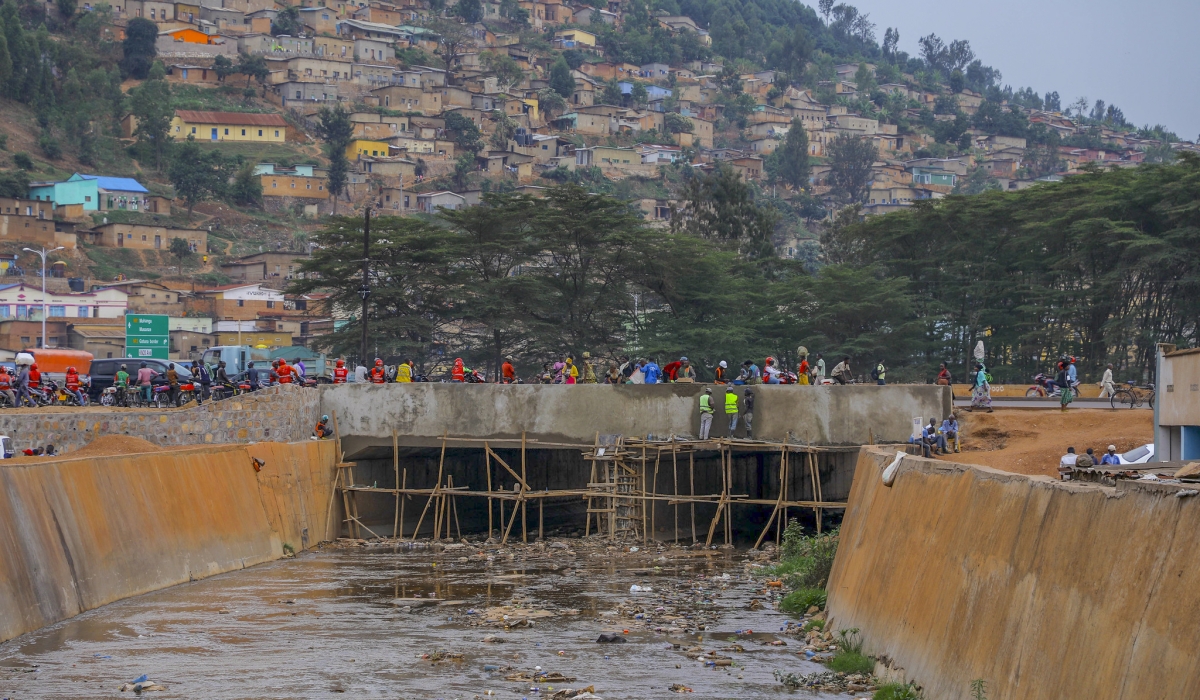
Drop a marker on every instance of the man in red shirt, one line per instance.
(35, 377)
(507, 373)
(378, 374)
(285, 372)
(72, 382)
(340, 372)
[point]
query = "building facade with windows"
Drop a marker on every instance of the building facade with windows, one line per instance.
(228, 126)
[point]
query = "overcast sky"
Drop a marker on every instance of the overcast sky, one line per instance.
(1142, 56)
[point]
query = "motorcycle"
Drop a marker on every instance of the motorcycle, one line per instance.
(1043, 386)
(475, 377)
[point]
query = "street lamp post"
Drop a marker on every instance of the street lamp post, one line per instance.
(43, 252)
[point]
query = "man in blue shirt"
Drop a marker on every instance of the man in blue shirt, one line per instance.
(931, 440)
(950, 431)
(750, 372)
(1110, 457)
(1072, 373)
(652, 372)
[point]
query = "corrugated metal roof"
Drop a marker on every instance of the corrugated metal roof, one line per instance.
(115, 184)
(192, 116)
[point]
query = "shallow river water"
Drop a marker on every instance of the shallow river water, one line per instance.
(357, 622)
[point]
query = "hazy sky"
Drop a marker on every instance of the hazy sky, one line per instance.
(1142, 56)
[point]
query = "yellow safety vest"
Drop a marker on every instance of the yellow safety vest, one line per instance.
(731, 401)
(403, 373)
(706, 403)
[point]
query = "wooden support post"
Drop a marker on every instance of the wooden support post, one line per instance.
(692, 488)
(820, 495)
(454, 506)
(675, 479)
(654, 492)
(587, 515)
(643, 495)
(524, 487)
(396, 466)
(778, 501)
(487, 458)
(785, 480)
(403, 485)
(541, 514)
(436, 489)
(728, 507)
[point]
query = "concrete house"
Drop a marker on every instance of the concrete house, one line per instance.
(94, 192)
(146, 237)
(228, 126)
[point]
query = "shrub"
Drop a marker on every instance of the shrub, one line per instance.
(806, 561)
(812, 625)
(849, 657)
(22, 160)
(896, 691)
(801, 600)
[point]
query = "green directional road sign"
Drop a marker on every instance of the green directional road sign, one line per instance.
(147, 335)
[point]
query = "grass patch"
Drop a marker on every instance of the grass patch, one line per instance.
(850, 657)
(799, 601)
(813, 625)
(256, 152)
(805, 560)
(896, 691)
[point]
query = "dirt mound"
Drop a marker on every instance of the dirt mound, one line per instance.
(1031, 441)
(112, 445)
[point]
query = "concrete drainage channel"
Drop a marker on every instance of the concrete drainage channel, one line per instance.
(952, 574)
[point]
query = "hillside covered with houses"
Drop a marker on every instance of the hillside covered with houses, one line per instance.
(236, 126)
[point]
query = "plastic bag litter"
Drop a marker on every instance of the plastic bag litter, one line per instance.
(640, 589)
(889, 474)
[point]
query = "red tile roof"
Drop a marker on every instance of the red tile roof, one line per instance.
(193, 116)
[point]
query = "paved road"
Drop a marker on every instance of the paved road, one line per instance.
(1045, 403)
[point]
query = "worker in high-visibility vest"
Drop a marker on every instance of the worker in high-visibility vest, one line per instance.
(731, 408)
(706, 413)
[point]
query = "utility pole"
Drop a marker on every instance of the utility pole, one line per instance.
(43, 252)
(364, 290)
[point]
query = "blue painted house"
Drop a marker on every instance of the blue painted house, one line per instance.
(94, 192)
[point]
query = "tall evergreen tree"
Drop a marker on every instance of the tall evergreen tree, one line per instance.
(561, 79)
(337, 131)
(139, 48)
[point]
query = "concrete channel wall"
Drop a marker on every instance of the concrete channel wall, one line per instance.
(280, 413)
(1045, 590)
(76, 534)
(421, 413)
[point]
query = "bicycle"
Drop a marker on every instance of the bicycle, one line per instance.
(1133, 396)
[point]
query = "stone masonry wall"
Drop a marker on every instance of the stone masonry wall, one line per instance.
(280, 414)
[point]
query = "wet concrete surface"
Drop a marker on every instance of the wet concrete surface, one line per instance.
(381, 620)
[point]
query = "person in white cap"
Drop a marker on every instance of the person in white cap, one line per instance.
(1110, 457)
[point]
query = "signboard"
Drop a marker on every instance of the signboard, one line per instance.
(147, 335)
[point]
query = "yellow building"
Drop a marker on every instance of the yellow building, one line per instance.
(294, 186)
(576, 37)
(228, 126)
(362, 147)
(276, 339)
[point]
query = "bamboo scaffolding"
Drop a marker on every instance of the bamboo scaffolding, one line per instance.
(620, 477)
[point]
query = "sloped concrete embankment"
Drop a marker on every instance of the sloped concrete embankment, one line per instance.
(76, 534)
(278, 413)
(1046, 590)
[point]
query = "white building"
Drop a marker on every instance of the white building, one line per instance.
(18, 301)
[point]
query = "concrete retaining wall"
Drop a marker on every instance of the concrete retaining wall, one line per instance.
(421, 413)
(1046, 590)
(281, 413)
(76, 534)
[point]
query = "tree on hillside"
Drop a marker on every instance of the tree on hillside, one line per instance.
(247, 188)
(505, 131)
(452, 37)
(611, 95)
(503, 67)
(150, 104)
(720, 206)
(463, 132)
(850, 159)
(471, 11)
(287, 22)
(464, 165)
(253, 67)
(198, 175)
(139, 48)
(561, 79)
(791, 54)
(336, 130)
(550, 103)
(676, 123)
(181, 250)
(639, 95)
(789, 163)
(223, 67)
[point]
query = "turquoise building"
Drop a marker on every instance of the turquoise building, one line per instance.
(94, 192)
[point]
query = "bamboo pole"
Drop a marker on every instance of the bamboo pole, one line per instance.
(524, 488)
(654, 492)
(692, 489)
(403, 485)
(643, 494)
(487, 458)
(675, 479)
(436, 487)
(454, 506)
(541, 513)
(396, 466)
(778, 503)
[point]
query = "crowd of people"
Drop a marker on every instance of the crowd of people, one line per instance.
(566, 369)
(1071, 460)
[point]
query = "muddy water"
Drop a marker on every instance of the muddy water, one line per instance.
(357, 621)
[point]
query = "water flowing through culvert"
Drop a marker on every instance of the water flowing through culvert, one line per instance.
(379, 620)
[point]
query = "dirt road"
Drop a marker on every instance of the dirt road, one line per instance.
(1031, 441)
